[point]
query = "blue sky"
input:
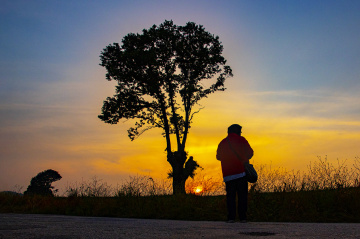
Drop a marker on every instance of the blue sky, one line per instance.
(295, 85)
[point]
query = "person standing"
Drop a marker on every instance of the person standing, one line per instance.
(233, 152)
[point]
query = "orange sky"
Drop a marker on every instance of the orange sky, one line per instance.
(277, 138)
(93, 148)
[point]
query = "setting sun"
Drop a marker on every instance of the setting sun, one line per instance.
(198, 189)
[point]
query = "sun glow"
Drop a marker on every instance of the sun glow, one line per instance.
(198, 189)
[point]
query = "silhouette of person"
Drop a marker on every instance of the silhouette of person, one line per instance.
(233, 152)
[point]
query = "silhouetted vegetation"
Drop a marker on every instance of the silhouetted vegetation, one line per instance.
(41, 183)
(320, 175)
(326, 193)
(94, 188)
(162, 75)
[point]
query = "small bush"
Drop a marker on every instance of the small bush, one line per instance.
(41, 183)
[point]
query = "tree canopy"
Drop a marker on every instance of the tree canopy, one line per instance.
(162, 75)
(41, 183)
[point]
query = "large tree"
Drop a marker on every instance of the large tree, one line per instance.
(162, 74)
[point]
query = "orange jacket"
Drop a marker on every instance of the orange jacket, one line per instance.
(230, 163)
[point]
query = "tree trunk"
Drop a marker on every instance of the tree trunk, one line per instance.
(178, 186)
(181, 170)
(178, 173)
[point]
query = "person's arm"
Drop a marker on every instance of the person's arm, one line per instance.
(218, 153)
(249, 150)
(251, 153)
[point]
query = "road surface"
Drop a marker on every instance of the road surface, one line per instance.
(58, 226)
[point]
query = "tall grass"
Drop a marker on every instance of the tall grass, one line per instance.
(135, 186)
(143, 186)
(204, 185)
(93, 188)
(319, 175)
(326, 192)
(322, 174)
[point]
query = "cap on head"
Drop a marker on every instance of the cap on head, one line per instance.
(235, 128)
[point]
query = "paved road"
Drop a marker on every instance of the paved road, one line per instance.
(56, 226)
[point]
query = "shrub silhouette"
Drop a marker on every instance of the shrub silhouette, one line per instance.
(41, 183)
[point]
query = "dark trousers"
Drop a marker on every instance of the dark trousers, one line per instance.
(240, 187)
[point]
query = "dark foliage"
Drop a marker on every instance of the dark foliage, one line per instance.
(336, 205)
(41, 183)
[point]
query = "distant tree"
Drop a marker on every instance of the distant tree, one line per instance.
(160, 75)
(41, 183)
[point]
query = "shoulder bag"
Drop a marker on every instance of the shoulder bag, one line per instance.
(251, 174)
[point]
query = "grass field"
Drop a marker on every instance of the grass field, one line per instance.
(326, 193)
